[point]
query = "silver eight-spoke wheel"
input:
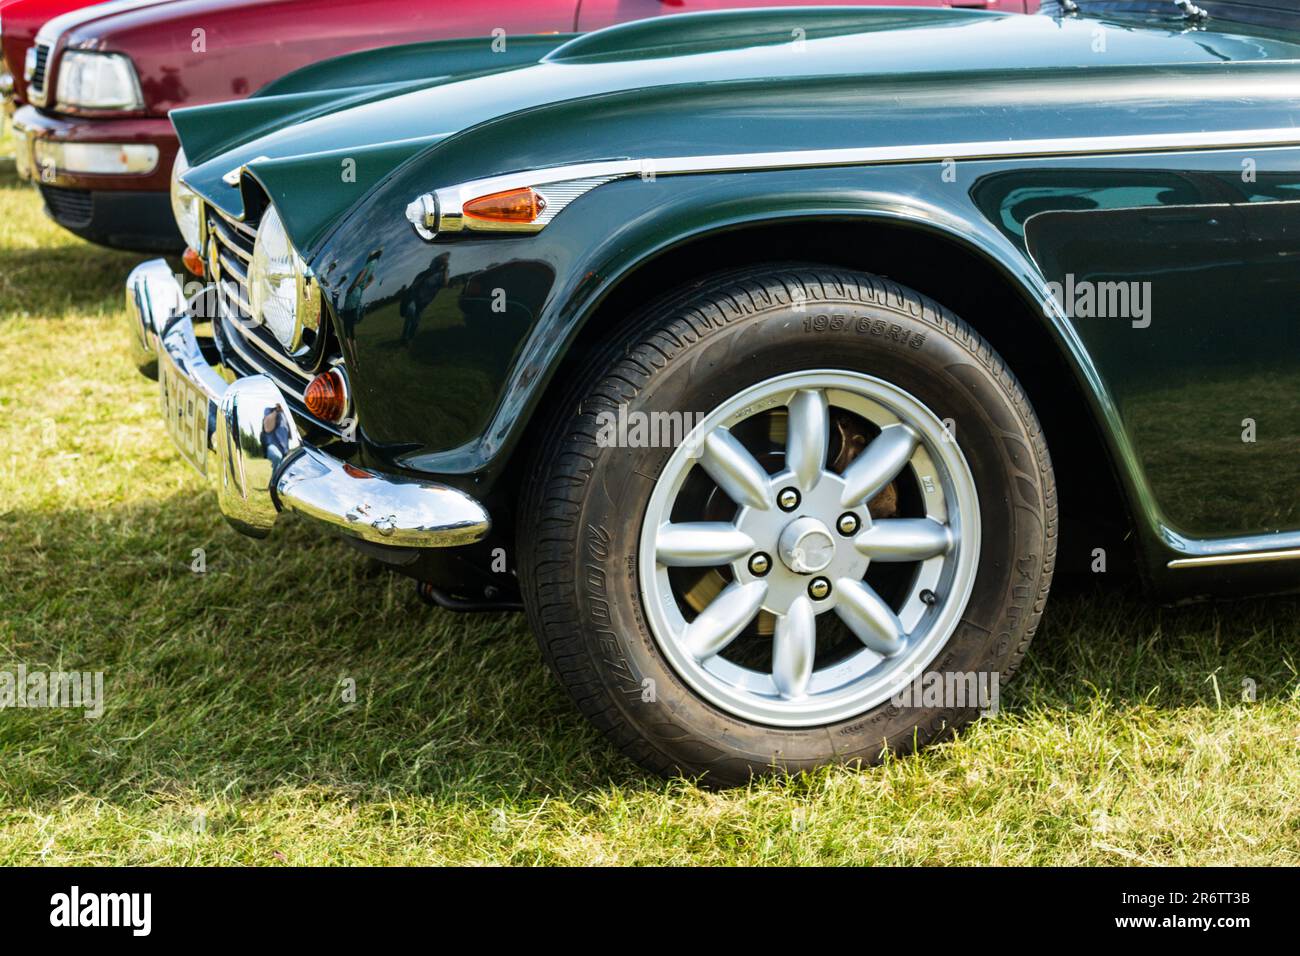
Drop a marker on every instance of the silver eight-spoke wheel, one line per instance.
(797, 543)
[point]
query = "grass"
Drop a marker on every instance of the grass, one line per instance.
(227, 738)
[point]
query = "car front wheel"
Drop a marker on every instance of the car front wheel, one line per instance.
(794, 516)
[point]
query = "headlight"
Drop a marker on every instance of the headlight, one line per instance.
(281, 291)
(98, 81)
(185, 204)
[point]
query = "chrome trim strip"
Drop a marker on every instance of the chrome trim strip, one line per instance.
(233, 177)
(229, 241)
(231, 289)
(449, 201)
(250, 355)
(559, 195)
(236, 225)
(243, 343)
(243, 258)
(1240, 557)
(233, 267)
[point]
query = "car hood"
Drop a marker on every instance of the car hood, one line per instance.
(83, 18)
(719, 83)
(23, 18)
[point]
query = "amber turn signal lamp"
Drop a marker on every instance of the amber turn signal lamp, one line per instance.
(327, 396)
(514, 205)
(193, 261)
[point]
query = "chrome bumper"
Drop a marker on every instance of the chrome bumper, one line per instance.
(251, 449)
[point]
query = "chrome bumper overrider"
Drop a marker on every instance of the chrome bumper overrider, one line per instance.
(251, 449)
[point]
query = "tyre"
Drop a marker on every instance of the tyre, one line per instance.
(776, 515)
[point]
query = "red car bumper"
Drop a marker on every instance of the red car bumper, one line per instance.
(116, 196)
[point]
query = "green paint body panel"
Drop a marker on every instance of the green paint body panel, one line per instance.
(416, 61)
(446, 385)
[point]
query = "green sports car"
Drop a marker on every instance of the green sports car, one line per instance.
(771, 360)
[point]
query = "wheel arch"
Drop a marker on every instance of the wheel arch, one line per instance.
(948, 265)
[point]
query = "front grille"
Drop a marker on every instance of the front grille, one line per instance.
(234, 252)
(69, 207)
(245, 344)
(36, 85)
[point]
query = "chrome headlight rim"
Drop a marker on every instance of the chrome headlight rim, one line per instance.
(187, 207)
(73, 64)
(303, 300)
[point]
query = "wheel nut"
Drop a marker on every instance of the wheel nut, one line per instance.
(819, 589)
(848, 524)
(788, 499)
(760, 564)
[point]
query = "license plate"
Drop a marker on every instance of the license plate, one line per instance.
(185, 412)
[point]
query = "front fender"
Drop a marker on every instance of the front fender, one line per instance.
(553, 284)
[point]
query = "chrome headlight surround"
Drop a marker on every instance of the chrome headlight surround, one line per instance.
(187, 208)
(282, 292)
(98, 81)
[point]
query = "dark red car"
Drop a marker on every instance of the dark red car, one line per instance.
(100, 80)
